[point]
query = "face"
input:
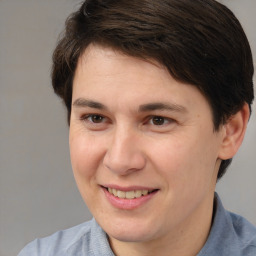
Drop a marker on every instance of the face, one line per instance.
(143, 149)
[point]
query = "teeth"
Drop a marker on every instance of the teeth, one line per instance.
(114, 192)
(138, 193)
(129, 194)
(120, 194)
(144, 192)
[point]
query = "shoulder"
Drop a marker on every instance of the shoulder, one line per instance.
(60, 242)
(230, 234)
(245, 232)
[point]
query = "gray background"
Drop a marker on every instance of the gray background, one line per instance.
(38, 195)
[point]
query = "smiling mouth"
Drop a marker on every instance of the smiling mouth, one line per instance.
(129, 194)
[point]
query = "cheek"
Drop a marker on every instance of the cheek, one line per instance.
(186, 162)
(85, 157)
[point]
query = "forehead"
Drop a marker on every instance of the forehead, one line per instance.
(102, 71)
(99, 57)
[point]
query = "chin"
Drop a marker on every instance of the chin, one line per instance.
(134, 236)
(129, 231)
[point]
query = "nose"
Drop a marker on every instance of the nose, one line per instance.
(124, 154)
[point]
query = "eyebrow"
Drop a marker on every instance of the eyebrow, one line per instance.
(162, 106)
(83, 103)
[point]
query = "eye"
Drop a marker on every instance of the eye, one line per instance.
(159, 124)
(95, 122)
(159, 120)
(94, 118)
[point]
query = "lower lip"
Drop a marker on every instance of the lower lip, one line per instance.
(128, 204)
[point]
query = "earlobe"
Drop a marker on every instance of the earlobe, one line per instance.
(234, 131)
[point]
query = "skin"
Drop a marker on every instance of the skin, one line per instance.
(120, 137)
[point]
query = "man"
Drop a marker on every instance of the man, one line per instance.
(158, 96)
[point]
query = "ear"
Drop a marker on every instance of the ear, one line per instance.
(233, 133)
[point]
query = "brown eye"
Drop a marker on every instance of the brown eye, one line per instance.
(158, 120)
(96, 118)
(95, 122)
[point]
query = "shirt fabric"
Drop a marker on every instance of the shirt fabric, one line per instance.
(230, 235)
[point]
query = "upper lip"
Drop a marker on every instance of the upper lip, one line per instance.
(128, 188)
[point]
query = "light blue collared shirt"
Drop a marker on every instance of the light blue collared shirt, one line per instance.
(230, 235)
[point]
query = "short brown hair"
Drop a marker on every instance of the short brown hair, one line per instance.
(199, 41)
